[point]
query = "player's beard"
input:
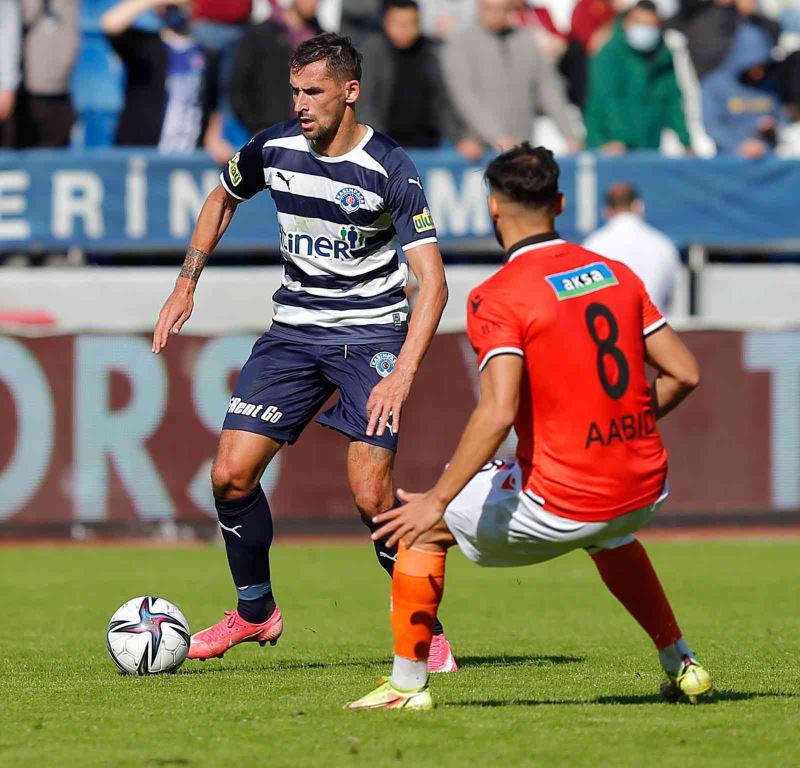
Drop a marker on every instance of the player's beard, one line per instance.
(497, 234)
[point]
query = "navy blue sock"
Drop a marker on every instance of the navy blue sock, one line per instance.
(387, 557)
(246, 525)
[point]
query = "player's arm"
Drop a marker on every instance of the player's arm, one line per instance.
(241, 178)
(215, 215)
(406, 203)
(678, 371)
(488, 426)
(389, 395)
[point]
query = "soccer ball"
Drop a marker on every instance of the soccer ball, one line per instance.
(147, 635)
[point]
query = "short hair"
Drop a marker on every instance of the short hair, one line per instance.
(621, 196)
(343, 61)
(645, 5)
(526, 175)
(401, 4)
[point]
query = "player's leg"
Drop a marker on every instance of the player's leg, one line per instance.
(245, 518)
(354, 370)
(277, 393)
(369, 471)
(626, 569)
(417, 591)
(418, 581)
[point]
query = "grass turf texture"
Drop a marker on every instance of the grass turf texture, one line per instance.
(554, 671)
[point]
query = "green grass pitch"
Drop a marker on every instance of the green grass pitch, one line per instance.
(554, 672)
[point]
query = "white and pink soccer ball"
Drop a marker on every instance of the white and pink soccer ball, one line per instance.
(147, 635)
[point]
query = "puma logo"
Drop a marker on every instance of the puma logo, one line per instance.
(234, 530)
(416, 181)
(285, 180)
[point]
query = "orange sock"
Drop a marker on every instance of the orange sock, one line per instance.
(631, 578)
(417, 588)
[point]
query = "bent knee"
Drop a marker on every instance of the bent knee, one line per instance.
(372, 502)
(230, 480)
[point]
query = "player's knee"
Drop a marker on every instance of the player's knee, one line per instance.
(371, 501)
(231, 480)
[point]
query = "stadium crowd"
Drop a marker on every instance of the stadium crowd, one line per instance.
(701, 76)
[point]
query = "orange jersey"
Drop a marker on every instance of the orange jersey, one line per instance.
(588, 443)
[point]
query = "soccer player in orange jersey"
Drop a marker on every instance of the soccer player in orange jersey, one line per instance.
(562, 337)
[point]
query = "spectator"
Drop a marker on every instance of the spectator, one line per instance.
(590, 29)
(360, 19)
(300, 19)
(590, 17)
(710, 27)
(741, 98)
(45, 115)
(402, 90)
(536, 18)
(218, 26)
(497, 79)
(10, 45)
(259, 89)
(789, 134)
(633, 93)
(165, 99)
(440, 18)
(627, 238)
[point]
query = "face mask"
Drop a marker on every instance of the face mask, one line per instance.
(176, 19)
(643, 37)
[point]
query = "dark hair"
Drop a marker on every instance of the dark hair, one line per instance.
(645, 5)
(621, 196)
(405, 4)
(342, 59)
(525, 174)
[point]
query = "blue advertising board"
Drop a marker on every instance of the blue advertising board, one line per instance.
(112, 200)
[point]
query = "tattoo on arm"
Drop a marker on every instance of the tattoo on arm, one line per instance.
(193, 264)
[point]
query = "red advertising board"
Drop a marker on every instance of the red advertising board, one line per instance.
(98, 434)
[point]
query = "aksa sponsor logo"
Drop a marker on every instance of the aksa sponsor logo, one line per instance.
(233, 170)
(383, 363)
(423, 221)
(579, 282)
(268, 413)
(350, 199)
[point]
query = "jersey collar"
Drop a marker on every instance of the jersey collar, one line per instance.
(533, 243)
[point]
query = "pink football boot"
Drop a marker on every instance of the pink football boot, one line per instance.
(440, 656)
(212, 643)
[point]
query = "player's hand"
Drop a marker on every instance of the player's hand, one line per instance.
(386, 402)
(176, 311)
(419, 514)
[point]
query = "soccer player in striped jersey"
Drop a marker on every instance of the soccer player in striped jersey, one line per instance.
(353, 218)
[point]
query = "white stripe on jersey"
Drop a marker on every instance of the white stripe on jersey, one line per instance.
(321, 187)
(329, 318)
(356, 155)
(366, 290)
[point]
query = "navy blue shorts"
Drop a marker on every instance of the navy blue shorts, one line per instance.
(284, 383)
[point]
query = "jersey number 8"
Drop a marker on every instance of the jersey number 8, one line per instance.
(604, 330)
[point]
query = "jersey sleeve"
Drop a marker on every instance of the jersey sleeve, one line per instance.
(406, 202)
(652, 319)
(243, 176)
(491, 327)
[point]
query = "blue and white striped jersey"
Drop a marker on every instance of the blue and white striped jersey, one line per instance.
(343, 223)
